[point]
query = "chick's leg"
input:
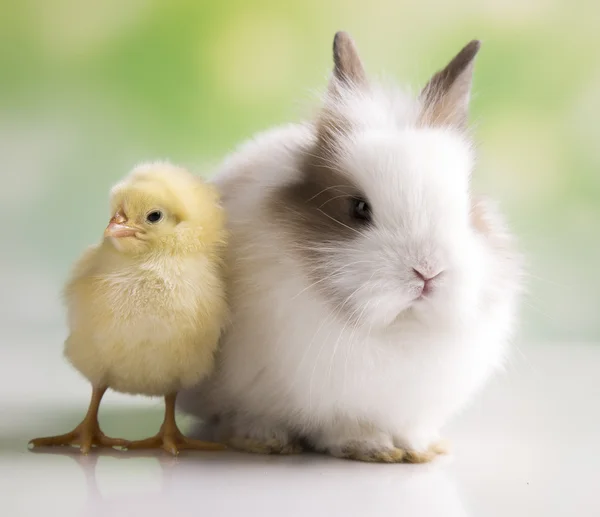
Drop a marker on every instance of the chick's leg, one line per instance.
(87, 433)
(170, 438)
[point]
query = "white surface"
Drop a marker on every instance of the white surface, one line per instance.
(528, 446)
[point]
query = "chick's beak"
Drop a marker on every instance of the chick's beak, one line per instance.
(118, 228)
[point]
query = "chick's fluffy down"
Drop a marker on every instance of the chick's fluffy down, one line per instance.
(144, 330)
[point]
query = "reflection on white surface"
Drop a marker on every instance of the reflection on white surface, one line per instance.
(527, 447)
(231, 484)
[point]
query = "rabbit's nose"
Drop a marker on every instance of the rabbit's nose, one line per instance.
(427, 279)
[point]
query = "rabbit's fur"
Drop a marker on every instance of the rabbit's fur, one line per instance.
(331, 342)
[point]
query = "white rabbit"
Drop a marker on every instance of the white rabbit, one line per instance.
(372, 296)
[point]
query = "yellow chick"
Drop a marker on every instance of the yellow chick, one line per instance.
(147, 305)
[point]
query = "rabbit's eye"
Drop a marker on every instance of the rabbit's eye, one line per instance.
(361, 210)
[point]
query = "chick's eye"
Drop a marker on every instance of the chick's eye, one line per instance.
(361, 210)
(154, 216)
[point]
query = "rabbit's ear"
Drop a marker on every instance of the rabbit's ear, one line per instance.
(348, 77)
(348, 70)
(445, 98)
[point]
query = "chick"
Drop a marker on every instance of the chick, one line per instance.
(146, 306)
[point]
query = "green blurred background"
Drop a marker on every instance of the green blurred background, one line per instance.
(90, 87)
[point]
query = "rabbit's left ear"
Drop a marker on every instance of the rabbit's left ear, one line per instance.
(348, 70)
(348, 77)
(445, 98)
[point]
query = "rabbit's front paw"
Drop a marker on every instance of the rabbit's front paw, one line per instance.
(365, 451)
(360, 443)
(418, 452)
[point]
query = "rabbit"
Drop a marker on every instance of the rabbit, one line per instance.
(372, 294)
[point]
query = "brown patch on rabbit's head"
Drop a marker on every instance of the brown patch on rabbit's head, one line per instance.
(319, 207)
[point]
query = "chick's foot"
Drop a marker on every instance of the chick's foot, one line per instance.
(174, 441)
(87, 434)
(170, 438)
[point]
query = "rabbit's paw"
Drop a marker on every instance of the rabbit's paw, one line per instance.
(424, 454)
(360, 443)
(268, 446)
(365, 451)
(257, 436)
